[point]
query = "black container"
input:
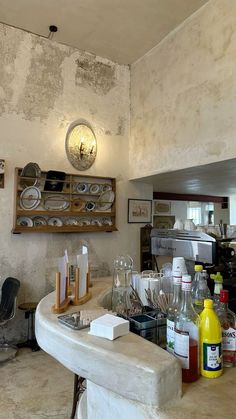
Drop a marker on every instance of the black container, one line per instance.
(54, 181)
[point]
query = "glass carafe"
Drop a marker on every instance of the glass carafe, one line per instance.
(121, 289)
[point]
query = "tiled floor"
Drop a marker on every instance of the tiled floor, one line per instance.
(35, 386)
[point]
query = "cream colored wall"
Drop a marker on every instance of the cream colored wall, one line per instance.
(44, 87)
(183, 95)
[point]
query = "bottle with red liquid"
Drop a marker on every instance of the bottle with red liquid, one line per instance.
(228, 326)
(186, 347)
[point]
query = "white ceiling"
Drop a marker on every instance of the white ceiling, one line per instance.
(121, 30)
(217, 179)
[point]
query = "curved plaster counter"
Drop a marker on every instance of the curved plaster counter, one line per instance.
(129, 368)
(130, 377)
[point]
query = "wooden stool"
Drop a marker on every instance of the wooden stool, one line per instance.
(29, 309)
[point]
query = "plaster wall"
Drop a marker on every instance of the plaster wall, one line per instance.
(44, 87)
(183, 95)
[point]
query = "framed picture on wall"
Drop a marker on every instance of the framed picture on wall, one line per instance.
(163, 222)
(161, 207)
(139, 211)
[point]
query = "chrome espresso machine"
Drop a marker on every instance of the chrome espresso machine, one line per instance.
(215, 254)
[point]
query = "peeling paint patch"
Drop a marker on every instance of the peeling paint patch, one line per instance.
(96, 75)
(44, 81)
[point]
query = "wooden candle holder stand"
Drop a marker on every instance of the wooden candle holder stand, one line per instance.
(60, 307)
(76, 301)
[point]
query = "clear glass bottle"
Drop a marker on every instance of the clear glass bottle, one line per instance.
(172, 311)
(186, 347)
(200, 291)
(218, 280)
(197, 269)
(228, 327)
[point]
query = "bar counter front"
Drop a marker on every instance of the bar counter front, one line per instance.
(129, 377)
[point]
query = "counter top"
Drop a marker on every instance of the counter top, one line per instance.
(132, 369)
(129, 366)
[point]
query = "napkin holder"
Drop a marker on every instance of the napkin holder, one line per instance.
(61, 289)
(77, 299)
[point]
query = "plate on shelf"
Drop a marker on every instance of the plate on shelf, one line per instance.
(71, 222)
(56, 203)
(78, 204)
(30, 198)
(24, 222)
(107, 221)
(31, 171)
(105, 200)
(55, 222)
(94, 188)
(106, 187)
(39, 221)
(96, 222)
(84, 221)
(82, 187)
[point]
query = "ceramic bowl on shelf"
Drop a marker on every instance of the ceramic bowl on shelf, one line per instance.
(94, 188)
(78, 204)
(55, 222)
(82, 187)
(24, 222)
(90, 206)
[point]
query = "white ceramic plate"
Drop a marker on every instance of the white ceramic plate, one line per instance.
(106, 187)
(30, 198)
(84, 221)
(55, 222)
(96, 222)
(94, 188)
(107, 221)
(82, 187)
(71, 222)
(56, 203)
(39, 221)
(24, 222)
(105, 200)
(33, 172)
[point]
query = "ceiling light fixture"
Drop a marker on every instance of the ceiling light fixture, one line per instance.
(52, 29)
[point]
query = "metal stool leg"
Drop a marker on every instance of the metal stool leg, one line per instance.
(78, 390)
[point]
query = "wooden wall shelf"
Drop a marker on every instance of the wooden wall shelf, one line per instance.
(101, 192)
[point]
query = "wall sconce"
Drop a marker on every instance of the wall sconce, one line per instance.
(81, 146)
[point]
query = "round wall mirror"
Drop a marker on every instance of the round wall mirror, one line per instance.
(81, 146)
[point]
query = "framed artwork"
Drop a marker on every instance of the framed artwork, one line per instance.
(165, 222)
(139, 211)
(161, 207)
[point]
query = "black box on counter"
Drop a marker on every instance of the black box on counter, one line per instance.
(150, 327)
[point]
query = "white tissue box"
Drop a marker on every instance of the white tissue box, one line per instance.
(109, 327)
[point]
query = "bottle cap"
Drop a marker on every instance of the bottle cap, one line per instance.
(224, 296)
(198, 268)
(217, 277)
(208, 303)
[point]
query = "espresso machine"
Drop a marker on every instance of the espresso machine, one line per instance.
(215, 254)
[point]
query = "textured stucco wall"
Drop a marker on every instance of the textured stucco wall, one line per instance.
(44, 87)
(183, 95)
